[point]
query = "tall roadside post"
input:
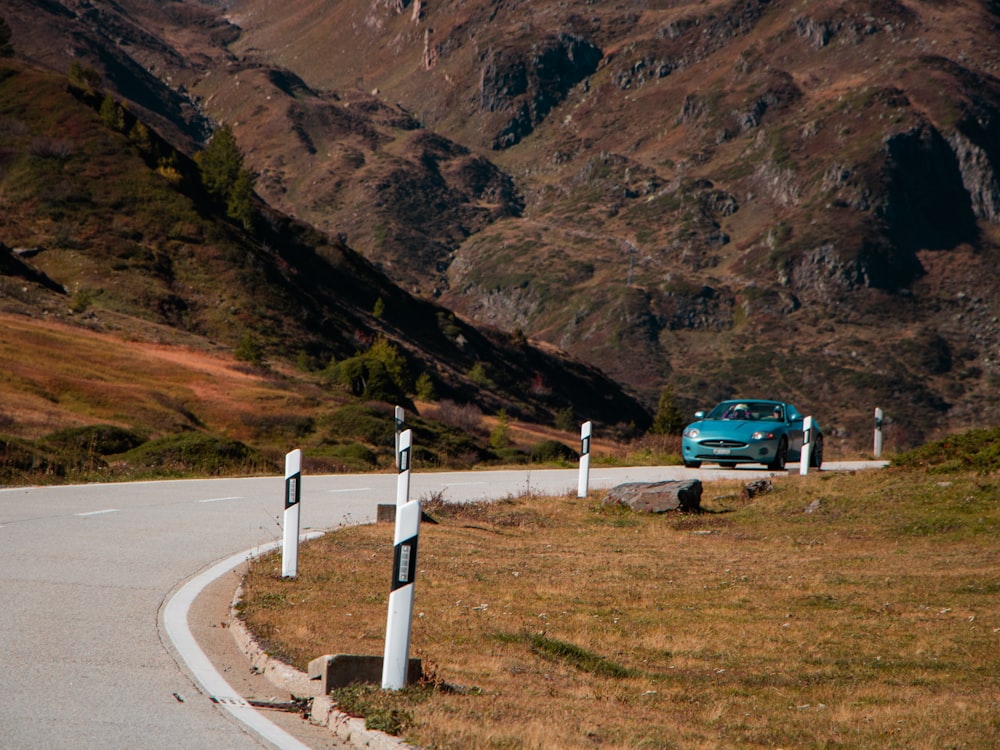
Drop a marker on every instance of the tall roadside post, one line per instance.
(805, 455)
(400, 420)
(293, 494)
(878, 433)
(404, 570)
(584, 483)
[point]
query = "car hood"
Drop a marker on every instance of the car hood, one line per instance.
(709, 428)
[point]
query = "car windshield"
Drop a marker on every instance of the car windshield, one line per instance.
(748, 410)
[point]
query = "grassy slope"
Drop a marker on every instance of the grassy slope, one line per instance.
(854, 610)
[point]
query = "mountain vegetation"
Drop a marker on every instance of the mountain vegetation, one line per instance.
(798, 200)
(115, 242)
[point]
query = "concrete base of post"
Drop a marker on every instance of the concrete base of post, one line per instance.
(341, 670)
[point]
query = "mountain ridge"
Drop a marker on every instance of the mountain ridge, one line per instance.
(791, 199)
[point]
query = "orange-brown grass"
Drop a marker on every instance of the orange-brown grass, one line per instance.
(54, 374)
(837, 611)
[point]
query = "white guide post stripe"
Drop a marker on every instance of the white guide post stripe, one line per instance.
(400, 617)
(403, 462)
(399, 419)
(807, 440)
(290, 536)
(878, 433)
(583, 485)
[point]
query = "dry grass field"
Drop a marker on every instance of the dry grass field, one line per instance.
(838, 610)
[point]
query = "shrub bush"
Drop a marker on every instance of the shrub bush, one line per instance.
(352, 456)
(552, 451)
(101, 440)
(197, 452)
(364, 424)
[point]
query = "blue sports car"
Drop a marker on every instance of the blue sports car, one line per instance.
(749, 431)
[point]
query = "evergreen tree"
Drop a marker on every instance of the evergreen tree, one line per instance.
(83, 76)
(394, 361)
(239, 201)
(250, 350)
(112, 113)
(139, 135)
(668, 419)
(225, 178)
(500, 434)
(425, 387)
(220, 163)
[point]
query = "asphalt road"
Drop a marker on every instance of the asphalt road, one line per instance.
(87, 573)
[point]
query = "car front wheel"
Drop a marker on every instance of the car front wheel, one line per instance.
(780, 457)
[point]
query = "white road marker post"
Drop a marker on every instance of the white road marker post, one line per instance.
(403, 467)
(807, 443)
(878, 433)
(396, 660)
(584, 483)
(293, 494)
(400, 420)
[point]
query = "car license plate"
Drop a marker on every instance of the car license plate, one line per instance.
(721, 451)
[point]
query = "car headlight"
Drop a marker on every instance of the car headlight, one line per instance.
(692, 432)
(762, 436)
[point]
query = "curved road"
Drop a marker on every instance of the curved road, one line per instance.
(86, 573)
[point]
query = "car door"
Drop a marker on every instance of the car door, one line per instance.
(795, 432)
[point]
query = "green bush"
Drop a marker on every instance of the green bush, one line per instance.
(351, 456)
(250, 350)
(500, 434)
(101, 440)
(20, 459)
(976, 450)
(425, 387)
(436, 441)
(364, 424)
(368, 378)
(552, 451)
(199, 453)
(510, 455)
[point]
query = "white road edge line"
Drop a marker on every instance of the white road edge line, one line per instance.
(175, 623)
(219, 499)
(97, 512)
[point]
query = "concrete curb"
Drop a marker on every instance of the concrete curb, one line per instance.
(324, 712)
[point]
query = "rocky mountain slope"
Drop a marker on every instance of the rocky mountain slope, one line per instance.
(106, 226)
(796, 199)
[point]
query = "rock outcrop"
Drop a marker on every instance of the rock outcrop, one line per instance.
(658, 497)
(524, 85)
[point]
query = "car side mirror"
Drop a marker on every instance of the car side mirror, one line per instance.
(699, 414)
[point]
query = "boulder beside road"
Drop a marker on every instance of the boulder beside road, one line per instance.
(658, 497)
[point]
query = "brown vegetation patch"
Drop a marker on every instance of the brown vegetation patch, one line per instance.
(868, 621)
